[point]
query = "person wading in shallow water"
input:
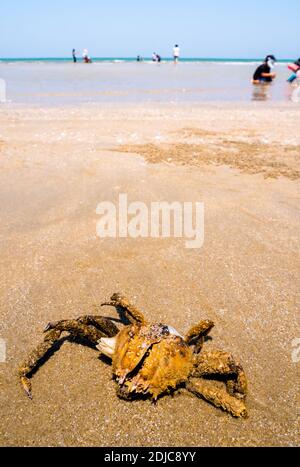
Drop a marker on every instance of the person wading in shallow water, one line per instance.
(295, 68)
(86, 57)
(264, 73)
(156, 57)
(176, 53)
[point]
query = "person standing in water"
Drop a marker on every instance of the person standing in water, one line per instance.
(264, 73)
(176, 53)
(74, 56)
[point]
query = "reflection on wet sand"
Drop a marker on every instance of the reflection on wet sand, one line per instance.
(295, 93)
(58, 84)
(261, 92)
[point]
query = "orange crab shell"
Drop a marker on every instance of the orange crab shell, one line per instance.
(149, 359)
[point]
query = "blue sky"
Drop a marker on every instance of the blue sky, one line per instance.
(122, 28)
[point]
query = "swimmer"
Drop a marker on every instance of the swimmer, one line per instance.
(264, 73)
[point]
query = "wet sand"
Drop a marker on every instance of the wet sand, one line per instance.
(56, 165)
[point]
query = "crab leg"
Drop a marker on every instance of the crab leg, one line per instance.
(108, 328)
(77, 328)
(132, 313)
(214, 363)
(218, 397)
(36, 355)
(198, 333)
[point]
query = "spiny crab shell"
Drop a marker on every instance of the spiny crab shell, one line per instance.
(148, 359)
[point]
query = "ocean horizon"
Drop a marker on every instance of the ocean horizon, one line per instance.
(146, 59)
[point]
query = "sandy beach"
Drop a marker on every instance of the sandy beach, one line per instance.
(56, 165)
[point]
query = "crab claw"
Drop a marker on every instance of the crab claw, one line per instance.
(115, 299)
(49, 327)
(26, 386)
(107, 346)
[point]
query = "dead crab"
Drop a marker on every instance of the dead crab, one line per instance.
(152, 359)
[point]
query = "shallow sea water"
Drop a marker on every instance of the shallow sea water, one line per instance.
(63, 83)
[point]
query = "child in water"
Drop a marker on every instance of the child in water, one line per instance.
(295, 67)
(86, 57)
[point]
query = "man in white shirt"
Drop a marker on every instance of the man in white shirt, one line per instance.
(176, 53)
